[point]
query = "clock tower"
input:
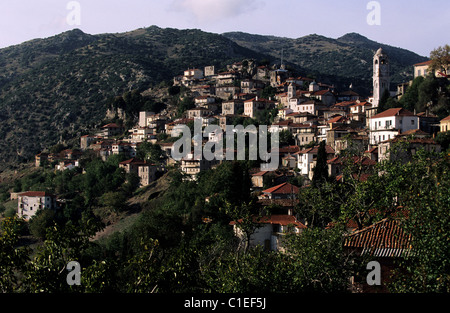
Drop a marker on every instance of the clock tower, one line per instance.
(381, 79)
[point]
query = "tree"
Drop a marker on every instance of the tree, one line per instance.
(43, 219)
(113, 201)
(46, 272)
(427, 268)
(12, 257)
(319, 261)
(440, 59)
(443, 138)
(411, 96)
(321, 168)
(268, 92)
(320, 205)
(246, 219)
(149, 152)
(286, 138)
(383, 105)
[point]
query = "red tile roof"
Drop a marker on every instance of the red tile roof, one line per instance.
(394, 112)
(284, 188)
(36, 194)
(328, 149)
(133, 161)
(423, 63)
(320, 92)
(286, 203)
(414, 132)
(446, 119)
(262, 173)
(259, 100)
(288, 149)
(385, 238)
(337, 119)
(279, 219)
(363, 160)
(283, 220)
(111, 125)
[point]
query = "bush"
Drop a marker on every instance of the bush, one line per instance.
(40, 222)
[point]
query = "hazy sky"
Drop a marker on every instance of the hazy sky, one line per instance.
(415, 25)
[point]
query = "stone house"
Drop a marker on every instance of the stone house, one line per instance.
(145, 171)
(257, 104)
(232, 107)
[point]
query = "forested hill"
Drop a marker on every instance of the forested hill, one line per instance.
(58, 87)
(348, 58)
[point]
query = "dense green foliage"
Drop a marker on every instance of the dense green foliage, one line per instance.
(182, 241)
(425, 93)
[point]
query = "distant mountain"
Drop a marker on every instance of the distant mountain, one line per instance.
(345, 60)
(58, 87)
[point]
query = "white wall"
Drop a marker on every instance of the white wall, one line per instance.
(28, 206)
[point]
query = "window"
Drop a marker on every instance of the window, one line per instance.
(412, 122)
(276, 228)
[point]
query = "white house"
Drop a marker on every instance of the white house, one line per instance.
(306, 158)
(309, 106)
(388, 124)
(30, 202)
(192, 166)
(143, 117)
(191, 75)
(140, 134)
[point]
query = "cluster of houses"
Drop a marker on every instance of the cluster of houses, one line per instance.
(311, 111)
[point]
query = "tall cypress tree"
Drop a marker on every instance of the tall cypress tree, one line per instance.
(321, 170)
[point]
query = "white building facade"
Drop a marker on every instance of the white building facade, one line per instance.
(30, 202)
(390, 123)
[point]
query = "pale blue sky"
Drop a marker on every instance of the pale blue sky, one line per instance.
(415, 25)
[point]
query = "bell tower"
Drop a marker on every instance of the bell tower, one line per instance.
(292, 91)
(381, 79)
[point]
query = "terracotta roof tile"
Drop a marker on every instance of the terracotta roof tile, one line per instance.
(36, 194)
(385, 238)
(393, 112)
(284, 188)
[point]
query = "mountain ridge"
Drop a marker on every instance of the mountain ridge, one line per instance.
(349, 56)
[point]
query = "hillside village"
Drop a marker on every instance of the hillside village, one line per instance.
(308, 110)
(305, 111)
